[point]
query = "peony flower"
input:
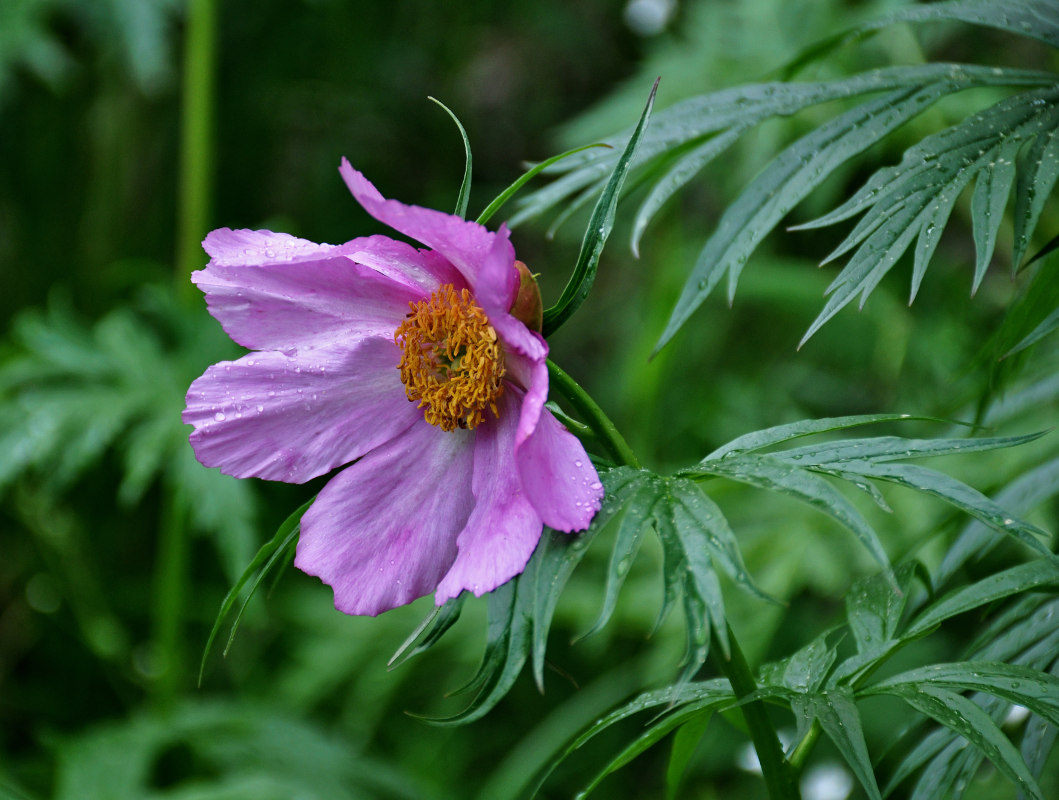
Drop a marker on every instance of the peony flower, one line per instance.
(408, 365)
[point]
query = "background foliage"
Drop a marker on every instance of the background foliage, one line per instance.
(107, 604)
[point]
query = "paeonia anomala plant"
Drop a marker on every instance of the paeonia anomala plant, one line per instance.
(471, 464)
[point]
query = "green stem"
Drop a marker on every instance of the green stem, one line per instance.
(593, 416)
(777, 772)
(196, 162)
(805, 747)
(170, 595)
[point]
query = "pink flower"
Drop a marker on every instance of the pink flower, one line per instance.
(444, 493)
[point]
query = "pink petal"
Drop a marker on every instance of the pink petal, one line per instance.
(486, 260)
(498, 278)
(525, 356)
(291, 304)
(504, 528)
(558, 477)
(242, 248)
(290, 419)
(422, 269)
(383, 531)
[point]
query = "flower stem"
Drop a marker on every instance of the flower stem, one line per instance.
(779, 777)
(777, 772)
(196, 165)
(593, 415)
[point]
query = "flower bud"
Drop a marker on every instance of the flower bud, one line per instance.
(527, 307)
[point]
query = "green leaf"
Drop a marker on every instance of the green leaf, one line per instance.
(806, 670)
(679, 175)
(559, 554)
(708, 697)
(521, 611)
(1036, 18)
(464, 196)
(938, 741)
(775, 474)
(1038, 170)
(1048, 325)
(695, 534)
(881, 449)
(685, 137)
(599, 226)
(429, 631)
(915, 197)
(990, 198)
(629, 522)
(1039, 738)
(874, 608)
(685, 741)
(1020, 496)
(649, 737)
(1025, 633)
(950, 771)
(1025, 577)
(703, 526)
(1036, 690)
(231, 750)
(506, 650)
(785, 182)
(270, 552)
(958, 494)
(745, 106)
(688, 572)
(525, 178)
(968, 720)
(759, 440)
(689, 701)
(840, 720)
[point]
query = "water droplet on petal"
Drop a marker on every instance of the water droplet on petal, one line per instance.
(219, 416)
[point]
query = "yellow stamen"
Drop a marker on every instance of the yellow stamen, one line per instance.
(451, 360)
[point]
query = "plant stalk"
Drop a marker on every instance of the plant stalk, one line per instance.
(170, 597)
(196, 156)
(779, 777)
(593, 415)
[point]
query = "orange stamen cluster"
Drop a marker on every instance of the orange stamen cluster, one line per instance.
(451, 360)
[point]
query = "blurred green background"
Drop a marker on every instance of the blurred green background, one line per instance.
(117, 547)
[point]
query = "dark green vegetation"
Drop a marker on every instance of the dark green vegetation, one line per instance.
(118, 548)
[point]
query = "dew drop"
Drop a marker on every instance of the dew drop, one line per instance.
(219, 416)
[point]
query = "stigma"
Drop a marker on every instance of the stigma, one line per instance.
(452, 362)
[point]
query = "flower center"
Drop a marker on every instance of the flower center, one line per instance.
(451, 359)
